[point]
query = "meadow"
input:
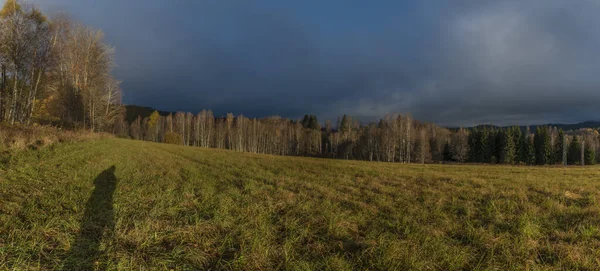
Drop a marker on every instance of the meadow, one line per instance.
(117, 204)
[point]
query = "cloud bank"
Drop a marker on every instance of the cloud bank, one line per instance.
(458, 62)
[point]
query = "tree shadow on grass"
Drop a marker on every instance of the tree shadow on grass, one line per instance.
(98, 222)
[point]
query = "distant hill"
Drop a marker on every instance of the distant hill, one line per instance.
(566, 127)
(133, 111)
(576, 126)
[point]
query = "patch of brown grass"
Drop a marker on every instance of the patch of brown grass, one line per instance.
(20, 137)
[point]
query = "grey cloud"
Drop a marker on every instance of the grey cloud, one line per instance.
(453, 62)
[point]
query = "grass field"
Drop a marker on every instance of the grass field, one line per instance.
(131, 205)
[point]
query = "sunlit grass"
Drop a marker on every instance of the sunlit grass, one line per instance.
(178, 207)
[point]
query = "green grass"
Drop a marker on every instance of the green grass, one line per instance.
(184, 208)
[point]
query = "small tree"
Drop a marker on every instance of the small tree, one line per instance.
(172, 138)
(153, 125)
(459, 150)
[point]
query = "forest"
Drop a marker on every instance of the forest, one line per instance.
(57, 71)
(394, 138)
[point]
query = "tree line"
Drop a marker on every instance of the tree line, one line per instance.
(55, 70)
(547, 146)
(394, 138)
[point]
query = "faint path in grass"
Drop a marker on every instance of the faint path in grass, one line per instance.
(98, 222)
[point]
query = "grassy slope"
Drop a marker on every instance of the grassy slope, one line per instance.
(190, 208)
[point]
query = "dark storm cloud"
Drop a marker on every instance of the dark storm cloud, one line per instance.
(453, 62)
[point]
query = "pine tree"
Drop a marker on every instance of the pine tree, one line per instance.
(559, 155)
(531, 157)
(492, 150)
(543, 147)
(478, 146)
(523, 149)
(313, 124)
(550, 151)
(589, 155)
(507, 145)
(447, 154)
(552, 159)
(482, 146)
(305, 121)
(537, 142)
(472, 141)
(344, 125)
(574, 155)
(516, 141)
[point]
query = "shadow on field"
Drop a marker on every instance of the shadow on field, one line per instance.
(98, 222)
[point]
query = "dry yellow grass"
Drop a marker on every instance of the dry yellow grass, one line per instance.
(20, 137)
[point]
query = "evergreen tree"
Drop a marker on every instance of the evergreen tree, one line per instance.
(543, 146)
(478, 147)
(550, 151)
(589, 155)
(344, 125)
(473, 141)
(516, 141)
(574, 155)
(507, 144)
(305, 121)
(499, 137)
(531, 157)
(492, 150)
(559, 147)
(447, 154)
(523, 149)
(538, 143)
(381, 124)
(482, 146)
(313, 124)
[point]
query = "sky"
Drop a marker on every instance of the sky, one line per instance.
(456, 63)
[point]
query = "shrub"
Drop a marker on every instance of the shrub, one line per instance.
(172, 138)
